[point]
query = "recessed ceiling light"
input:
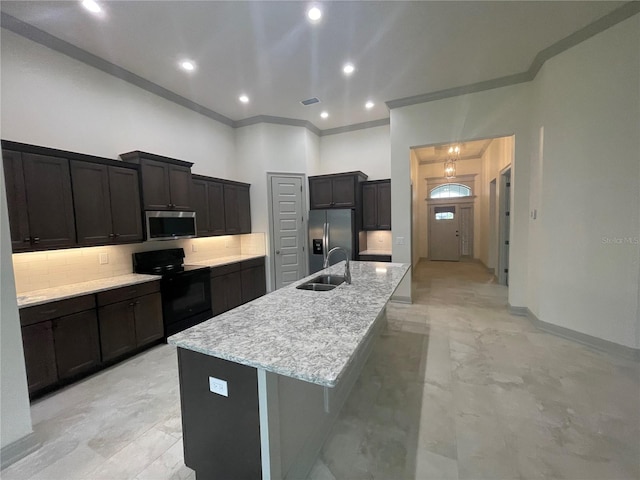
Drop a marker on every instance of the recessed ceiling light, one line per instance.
(243, 99)
(369, 105)
(92, 6)
(188, 65)
(348, 68)
(324, 114)
(314, 14)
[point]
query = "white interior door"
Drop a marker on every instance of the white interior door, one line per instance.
(288, 229)
(444, 231)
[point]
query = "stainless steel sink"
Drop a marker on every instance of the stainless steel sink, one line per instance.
(322, 283)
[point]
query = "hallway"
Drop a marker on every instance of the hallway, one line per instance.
(455, 388)
(459, 388)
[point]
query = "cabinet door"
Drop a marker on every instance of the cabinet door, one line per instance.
(343, 192)
(155, 185)
(320, 195)
(149, 324)
(180, 187)
(77, 344)
(231, 209)
(244, 209)
(117, 329)
(39, 356)
(16, 200)
(254, 283)
(383, 202)
(91, 202)
(215, 194)
(49, 201)
(369, 210)
(124, 195)
(218, 295)
(200, 203)
(233, 290)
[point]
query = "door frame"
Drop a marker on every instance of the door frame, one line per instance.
(271, 263)
(504, 223)
(458, 202)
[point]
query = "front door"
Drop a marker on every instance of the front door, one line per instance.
(288, 229)
(444, 234)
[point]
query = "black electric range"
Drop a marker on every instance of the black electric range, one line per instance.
(185, 289)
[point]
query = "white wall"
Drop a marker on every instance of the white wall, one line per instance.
(492, 113)
(15, 415)
(588, 229)
(366, 150)
(52, 100)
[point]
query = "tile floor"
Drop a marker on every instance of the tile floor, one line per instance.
(455, 388)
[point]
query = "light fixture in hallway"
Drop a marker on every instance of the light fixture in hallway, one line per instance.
(450, 163)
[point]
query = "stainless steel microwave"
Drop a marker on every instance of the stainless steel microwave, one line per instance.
(170, 225)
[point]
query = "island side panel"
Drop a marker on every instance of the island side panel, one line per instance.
(221, 434)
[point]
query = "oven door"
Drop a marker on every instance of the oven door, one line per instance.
(186, 299)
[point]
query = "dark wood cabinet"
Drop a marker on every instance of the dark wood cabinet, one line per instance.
(340, 190)
(16, 200)
(166, 182)
(117, 329)
(222, 207)
(39, 356)
(77, 344)
(254, 281)
(130, 318)
(106, 203)
(376, 205)
(60, 341)
(39, 201)
(148, 315)
(226, 288)
(374, 258)
(237, 283)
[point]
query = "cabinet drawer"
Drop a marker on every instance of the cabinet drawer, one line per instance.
(254, 262)
(125, 293)
(48, 311)
(225, 269)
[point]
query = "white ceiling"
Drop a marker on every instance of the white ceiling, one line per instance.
(270, 52)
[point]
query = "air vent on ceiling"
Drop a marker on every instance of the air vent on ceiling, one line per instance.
(310, 101)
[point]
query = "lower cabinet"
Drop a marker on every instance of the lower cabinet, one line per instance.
(67, 339)
(130, 318)
(238, 283)
(374, 258)
(60, 340)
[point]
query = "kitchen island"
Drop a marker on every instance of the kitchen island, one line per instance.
(261, 385)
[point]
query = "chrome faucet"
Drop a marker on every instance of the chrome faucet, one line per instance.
(347, 271)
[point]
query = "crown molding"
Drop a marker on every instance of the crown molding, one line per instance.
(40, 36)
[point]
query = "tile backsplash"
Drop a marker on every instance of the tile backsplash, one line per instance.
(37, 270)
(379, 240)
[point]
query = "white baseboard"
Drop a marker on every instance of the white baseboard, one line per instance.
(583, 338)
(19, 449)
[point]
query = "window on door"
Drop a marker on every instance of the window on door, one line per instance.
(444, 213)
(450, 190)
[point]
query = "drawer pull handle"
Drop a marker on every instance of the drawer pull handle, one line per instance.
(44, 312)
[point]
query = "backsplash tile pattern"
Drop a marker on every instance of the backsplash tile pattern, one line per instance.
(37, 270)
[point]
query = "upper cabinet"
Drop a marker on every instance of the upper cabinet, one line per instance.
(107, 203)
(341, 190)
(39, 200)
(166, 182)
(222, 207)
(376, 205)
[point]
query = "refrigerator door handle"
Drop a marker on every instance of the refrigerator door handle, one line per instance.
(325, 243)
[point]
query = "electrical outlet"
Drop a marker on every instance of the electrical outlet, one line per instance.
(103, 258)
(380, 239)
(194, 247)
(218, 386)
(399, 240)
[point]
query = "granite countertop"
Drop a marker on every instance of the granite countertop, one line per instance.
(38, 297)
(218, 262)
(311, 336)
(375, 252)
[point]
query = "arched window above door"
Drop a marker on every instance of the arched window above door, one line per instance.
(450, 190)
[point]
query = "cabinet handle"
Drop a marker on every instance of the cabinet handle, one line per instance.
(27, 240)
(112, 235)
(47, 312)
(131, 304)
(117, 235)
(36, 239)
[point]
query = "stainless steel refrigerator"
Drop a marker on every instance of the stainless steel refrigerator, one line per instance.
(328, 229)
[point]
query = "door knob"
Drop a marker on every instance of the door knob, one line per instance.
(277, 252)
